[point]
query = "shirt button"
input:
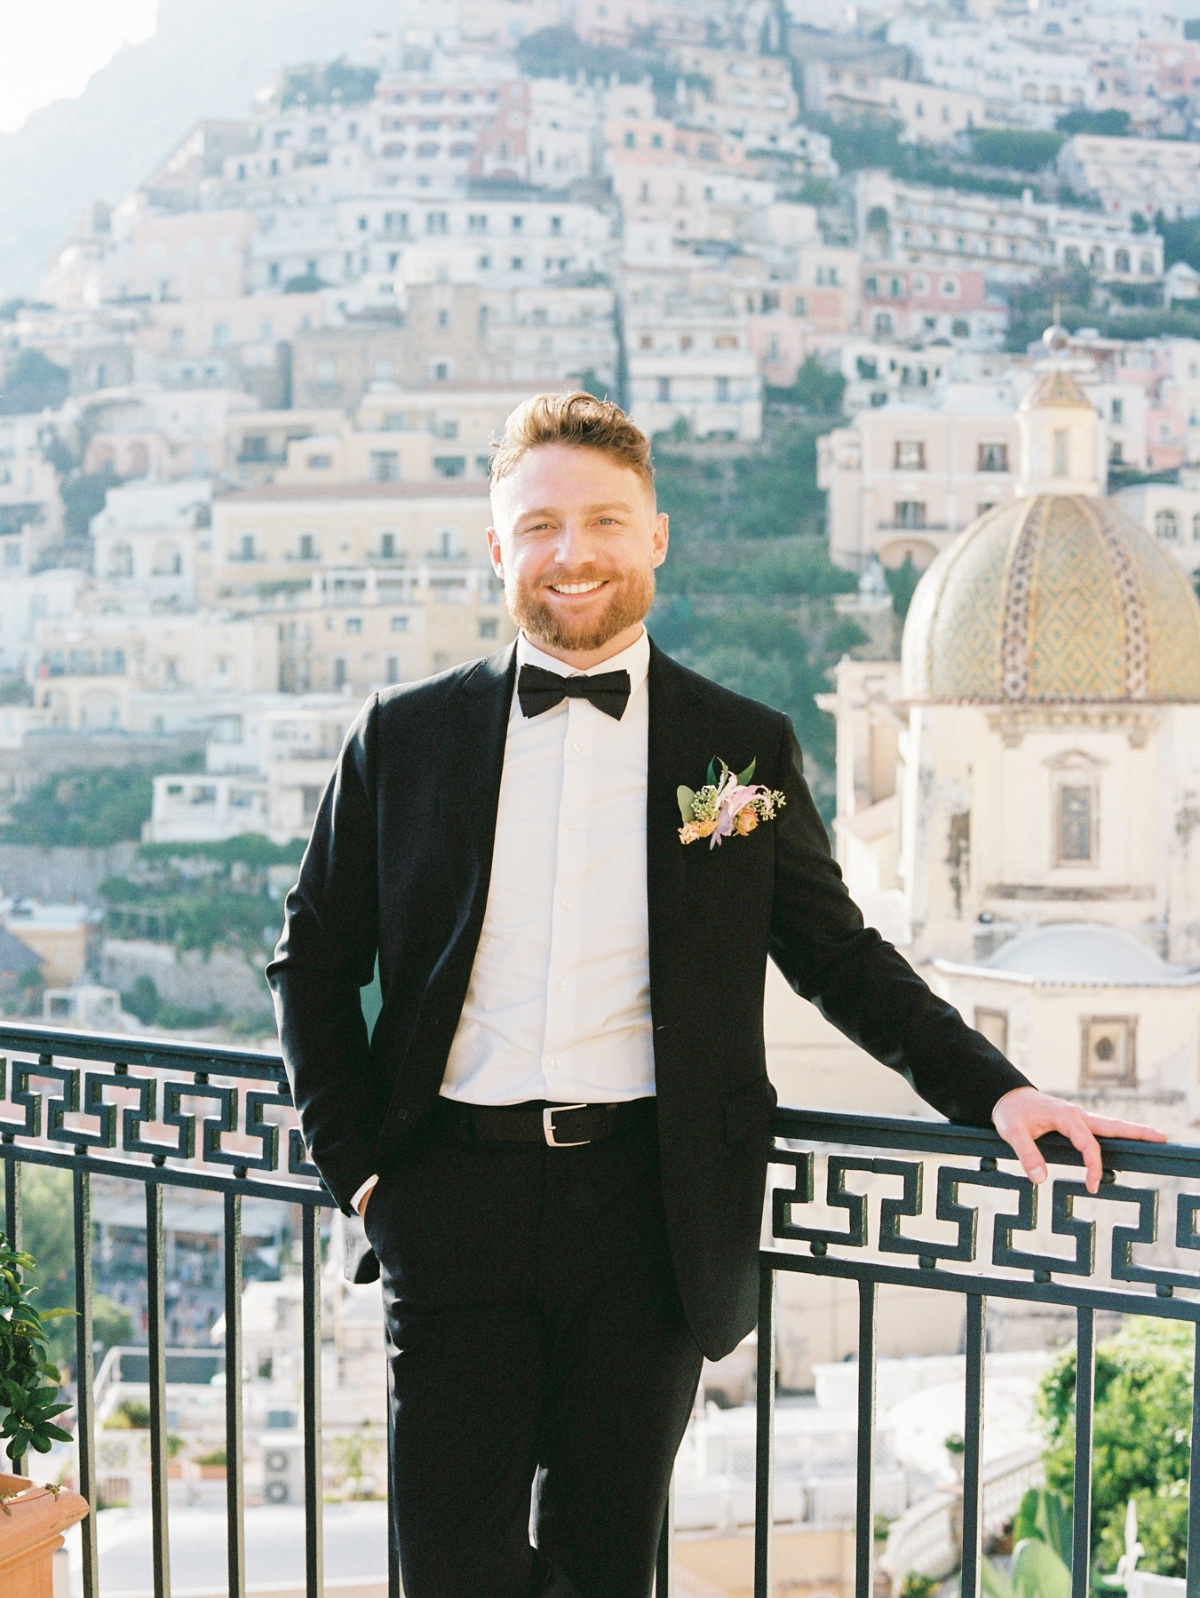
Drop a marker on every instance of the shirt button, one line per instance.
(566, 904)
(577, 747)
(560, 987)
(572, 825)
(552, 1063)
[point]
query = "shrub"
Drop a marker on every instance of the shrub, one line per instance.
(29, 1382)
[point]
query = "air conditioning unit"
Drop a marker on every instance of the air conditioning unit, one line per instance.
(283, 1469)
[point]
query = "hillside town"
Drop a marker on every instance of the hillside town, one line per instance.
(887, 284)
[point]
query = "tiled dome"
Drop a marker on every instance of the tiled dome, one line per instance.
(1053, 598)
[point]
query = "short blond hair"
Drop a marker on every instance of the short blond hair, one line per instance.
(579, 419)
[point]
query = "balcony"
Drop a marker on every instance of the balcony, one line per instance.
(879, 1202)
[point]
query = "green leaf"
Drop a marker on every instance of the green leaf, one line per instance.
(712, 771)
(994, 1581)
(1038, 1572)
(745, 776)
(686, 798)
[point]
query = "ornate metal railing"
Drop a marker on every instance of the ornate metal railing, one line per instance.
(878, 1200)
(179, 1115)
(870, 1199)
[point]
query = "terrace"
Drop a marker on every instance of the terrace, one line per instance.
(880, 1202)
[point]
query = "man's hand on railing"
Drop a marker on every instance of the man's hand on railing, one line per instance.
(1026, 1114)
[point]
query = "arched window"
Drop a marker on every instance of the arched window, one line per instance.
(1120, 260)
(883, 321)
(1166, 526)
(1096, 257)
(167, 560)
(120, 561)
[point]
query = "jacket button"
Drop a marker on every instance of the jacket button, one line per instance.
(402, 1115)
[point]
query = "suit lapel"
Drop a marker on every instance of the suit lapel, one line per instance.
(478, 731)
(675, 755)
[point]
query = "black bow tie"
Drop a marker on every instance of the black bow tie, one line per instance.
(540, 690)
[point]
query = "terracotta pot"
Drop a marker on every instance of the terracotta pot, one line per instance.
(30, 1533)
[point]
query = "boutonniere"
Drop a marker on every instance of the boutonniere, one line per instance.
(727, 804)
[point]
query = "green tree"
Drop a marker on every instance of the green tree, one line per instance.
(1023, 149)
(1113, 124)
(83, 496)
(818, 388)
(48, 1234)
(91, 809)
(32, 383)
(1141, 1431)
(902, 580)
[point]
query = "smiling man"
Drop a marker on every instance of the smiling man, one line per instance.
(557, 1135)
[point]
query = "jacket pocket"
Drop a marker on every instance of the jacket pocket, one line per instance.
(748, 1109)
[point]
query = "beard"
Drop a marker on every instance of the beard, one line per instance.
(630, 596)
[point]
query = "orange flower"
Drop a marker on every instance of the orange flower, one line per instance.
(747, 820)
(693, 831)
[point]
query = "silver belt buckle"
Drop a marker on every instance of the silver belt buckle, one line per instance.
(552, 1139)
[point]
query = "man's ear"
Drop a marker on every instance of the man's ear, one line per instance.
(494, 552)
(661, 538)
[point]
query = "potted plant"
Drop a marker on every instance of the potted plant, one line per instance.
(33, 1516)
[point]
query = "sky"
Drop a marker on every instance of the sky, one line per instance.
(52, 47)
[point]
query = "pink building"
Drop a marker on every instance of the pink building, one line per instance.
(900, 301)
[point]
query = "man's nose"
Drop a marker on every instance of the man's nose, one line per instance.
(574, 545)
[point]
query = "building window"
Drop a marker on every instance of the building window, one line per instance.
(399, 624)
(1076, 825)
(722, 390)
(1166, 526)
(308, 547)
(246, 548)
(325, 371)
(994, 1026)
(385, 466)
(910, 455)
(909, 513)
(392, 668)
(1116, 453)
(1108, 1050)
(340, 671)
(1118, 411)
(664, 390)
(450, 465)
(1196, 528)
(354, 624)
(1062, 452)
(992, 458)
(1120, 260)
(387, 546)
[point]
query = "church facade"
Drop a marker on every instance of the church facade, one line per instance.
(1019, 797)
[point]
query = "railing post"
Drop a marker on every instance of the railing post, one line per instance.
(864, 1520)
(1085, 1391)
(12, 1233)
(666, 1553)
(1193, 1535)
(314, 1549)
(234, 1476)
(156, 1337)
(85, 1375)
(973, 1440)
(764, 1453)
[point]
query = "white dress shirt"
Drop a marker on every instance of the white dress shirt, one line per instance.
(558, 1003)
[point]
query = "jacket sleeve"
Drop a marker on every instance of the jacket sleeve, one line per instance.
(861, 983)
(324, 956)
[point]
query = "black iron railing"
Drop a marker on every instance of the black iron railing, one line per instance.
(875, 1200)
(178, 1115)
(907, 1203)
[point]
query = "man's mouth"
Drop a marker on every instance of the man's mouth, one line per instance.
(576, 588)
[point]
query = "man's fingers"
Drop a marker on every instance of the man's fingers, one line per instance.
(1027, 1151)
(1104, 1126)
(1080, 1134)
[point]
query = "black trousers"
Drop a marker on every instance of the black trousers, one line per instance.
(536, 1347)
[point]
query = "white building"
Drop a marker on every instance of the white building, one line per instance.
(145, 539)
(1011, 239)
(994, 790)
(1134, 177)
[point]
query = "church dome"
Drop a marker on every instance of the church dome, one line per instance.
(1053, 598)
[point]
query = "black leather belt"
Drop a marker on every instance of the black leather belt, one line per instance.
(562, 1126)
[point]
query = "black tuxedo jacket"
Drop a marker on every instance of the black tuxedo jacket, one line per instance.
(398, 865)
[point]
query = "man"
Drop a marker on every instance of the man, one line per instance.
(557, 1135)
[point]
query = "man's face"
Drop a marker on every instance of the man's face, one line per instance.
(576, 539)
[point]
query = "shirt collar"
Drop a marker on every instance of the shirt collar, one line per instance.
(635, 660)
